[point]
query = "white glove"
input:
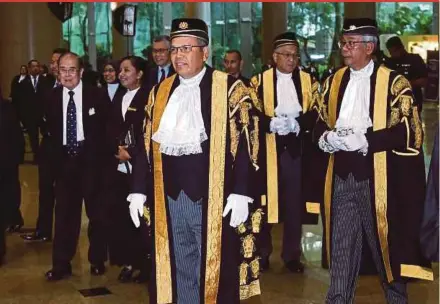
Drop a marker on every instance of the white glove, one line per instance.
(330, 142)
(276, 123)
(294, 125)
(240, 209)
(355, 142)
(136, 207)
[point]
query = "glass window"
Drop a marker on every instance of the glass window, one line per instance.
(257, 17)
(405, 18)
(317, 26)
(177, 10)
(149, 23)
(75, 31)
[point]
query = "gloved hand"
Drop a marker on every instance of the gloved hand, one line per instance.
(238, 204)
(355, 142)
(293, 125)
(276, 123)
(136, 207)
(330, 142)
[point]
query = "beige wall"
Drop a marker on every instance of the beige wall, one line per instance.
(28, 30)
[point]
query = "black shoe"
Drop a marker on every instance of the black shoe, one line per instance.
(35, 237)
(142, 277)
(264, 264)
(125, 274)
(14, 228)
(295, 266)
(56, 275)
(97, 269)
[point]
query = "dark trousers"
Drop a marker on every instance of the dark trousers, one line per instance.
(352, 217)
(127, 244)
(46, 181)
(76, 183)
(290, 210)
(11, 195)
(31, 125)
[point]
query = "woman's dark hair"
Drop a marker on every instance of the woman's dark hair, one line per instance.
(138, 63)
(115, 65)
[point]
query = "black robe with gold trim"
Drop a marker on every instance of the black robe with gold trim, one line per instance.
(226, 163)
(263, 90)
(394, 165)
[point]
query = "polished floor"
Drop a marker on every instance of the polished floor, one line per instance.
(22, 277)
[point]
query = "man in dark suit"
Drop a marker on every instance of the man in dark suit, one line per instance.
(30, 95)
(16, 81)
(46, 176)
(75, 116)
(162, 59)
(233, 64)
(11, 155)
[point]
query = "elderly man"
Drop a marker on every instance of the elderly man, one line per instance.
(197, 142)
(286, 98)
(75, 118)
(374, 184)
(233, 64)
(162, 59)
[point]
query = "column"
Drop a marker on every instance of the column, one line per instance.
(360, 10)
(435, 12)
(29, 30)
(246, 36)
(167, 17)
(274, 23)
(200, 10)
(119, 49)
(92, 35)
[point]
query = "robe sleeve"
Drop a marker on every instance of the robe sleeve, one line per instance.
(308, 120)
(256, 93)
(243, 122)
(403, 135)
(320, 107)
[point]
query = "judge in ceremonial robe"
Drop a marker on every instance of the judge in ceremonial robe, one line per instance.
(374, 184)
(286, 98)
(198, 144)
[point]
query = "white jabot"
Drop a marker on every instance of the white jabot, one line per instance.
(126, 101)
(355, 107)
(181, 129)
(111, 89)
(288, 103)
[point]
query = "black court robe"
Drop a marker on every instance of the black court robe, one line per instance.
(394, 165)
(228, 273)
(263, 89)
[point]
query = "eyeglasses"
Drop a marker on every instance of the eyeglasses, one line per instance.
(109, 71)
(184, 48)
(160, 51)
(350, 44)
(288, 55)
(70, 71)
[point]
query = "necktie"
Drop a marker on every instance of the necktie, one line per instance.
(71, 139)
(35, 83)
(162, 75)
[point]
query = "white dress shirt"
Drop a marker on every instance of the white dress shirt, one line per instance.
(77, 97)
(21, 78)
(126, 101)
(111, 89)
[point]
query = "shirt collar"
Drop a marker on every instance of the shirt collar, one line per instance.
(76, 90)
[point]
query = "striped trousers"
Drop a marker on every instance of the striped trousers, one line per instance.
(186, 223)
(352, 217)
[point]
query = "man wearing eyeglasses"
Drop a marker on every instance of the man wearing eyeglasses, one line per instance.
(374, 185)
(288, 97)
(198, 141)
(162, 59)
(75, 118)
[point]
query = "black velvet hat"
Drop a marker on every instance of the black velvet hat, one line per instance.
(360, 26)
(287, 38)
(189, 27)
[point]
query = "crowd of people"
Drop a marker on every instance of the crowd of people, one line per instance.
(183, 169)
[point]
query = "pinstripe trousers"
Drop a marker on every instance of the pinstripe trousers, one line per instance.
(186, 223)
(352, 217)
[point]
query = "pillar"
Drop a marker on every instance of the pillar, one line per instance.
(360, 10)
(120, 48)
(29, 30)
(246, 36)
(200, 10)
(435, 13)
(274, 23)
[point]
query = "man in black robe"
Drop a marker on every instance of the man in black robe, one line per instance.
(198, 145)
(374, 184)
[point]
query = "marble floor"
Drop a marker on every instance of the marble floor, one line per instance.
(22, 277)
